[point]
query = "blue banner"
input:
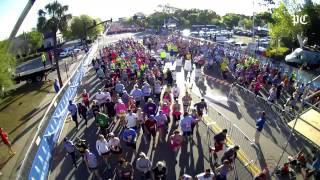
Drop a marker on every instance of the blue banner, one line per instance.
(42, 160)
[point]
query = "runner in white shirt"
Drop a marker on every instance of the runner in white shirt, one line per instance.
(175, 91)
(102, 97)
(207, 175)
(131, 119)
(114, 145)
(103, 149)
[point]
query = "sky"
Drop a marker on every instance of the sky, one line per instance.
(105, 9)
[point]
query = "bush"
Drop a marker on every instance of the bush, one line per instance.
(277, 53)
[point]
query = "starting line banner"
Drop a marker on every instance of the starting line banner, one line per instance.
(41, 163)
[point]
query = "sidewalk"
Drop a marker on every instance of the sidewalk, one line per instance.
(21, 145)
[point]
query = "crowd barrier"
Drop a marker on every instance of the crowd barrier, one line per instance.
(274, 110)
(248, 154)
(36, 162)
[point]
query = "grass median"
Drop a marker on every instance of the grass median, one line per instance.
(18, 108)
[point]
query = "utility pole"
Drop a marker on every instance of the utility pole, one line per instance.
(253, 16)
(20, 20)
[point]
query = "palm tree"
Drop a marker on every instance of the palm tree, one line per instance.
(52, 18)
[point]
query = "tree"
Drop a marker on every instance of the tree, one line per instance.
(263, 18)
(35, 39)
(246, 23)
(52, 18)
(311, 28)
(231, 19)
(83, 22)
(7, 65)
(282, 31)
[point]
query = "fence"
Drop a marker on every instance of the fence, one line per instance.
(248, 154)
(36, 162)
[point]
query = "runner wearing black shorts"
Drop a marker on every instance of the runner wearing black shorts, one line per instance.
(200, 106)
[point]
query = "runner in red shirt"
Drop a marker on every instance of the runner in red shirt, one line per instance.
(150, 129)
(85, 98)
(5, 140)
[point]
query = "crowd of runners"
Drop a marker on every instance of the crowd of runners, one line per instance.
(141, 100)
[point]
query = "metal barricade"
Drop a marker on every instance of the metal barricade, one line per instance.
(240, 170)
(248, 153)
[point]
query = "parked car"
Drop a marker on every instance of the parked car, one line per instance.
(76, 50)
(64, 54)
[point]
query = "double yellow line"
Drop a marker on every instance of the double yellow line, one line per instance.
(252, 168)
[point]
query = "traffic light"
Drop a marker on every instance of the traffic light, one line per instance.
(110, 19)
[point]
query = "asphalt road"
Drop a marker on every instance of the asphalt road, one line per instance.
(192, 159)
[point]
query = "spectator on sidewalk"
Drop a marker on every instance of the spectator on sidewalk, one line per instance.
(71, 149)
(144, 165)
(74, 112)
(56, 86)
(43, 60)
(259, 126)
(5, 140)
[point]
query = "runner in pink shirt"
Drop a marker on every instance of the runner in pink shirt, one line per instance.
(121, 110)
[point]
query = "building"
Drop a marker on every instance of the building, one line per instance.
(48, 39)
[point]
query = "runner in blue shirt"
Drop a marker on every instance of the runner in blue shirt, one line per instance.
(185, 125)
(129, 135)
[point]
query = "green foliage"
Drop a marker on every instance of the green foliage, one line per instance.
(53, 17)
(263, 18)
(231, 20)
(7, 65)
(246, 23)
(35, 39)
(278, 53)
(79, 24)
(282, 31)
(311, 29)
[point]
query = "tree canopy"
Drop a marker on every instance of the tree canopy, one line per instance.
(284, 33)
(79, 23)
(35, 39)
(7, 64)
